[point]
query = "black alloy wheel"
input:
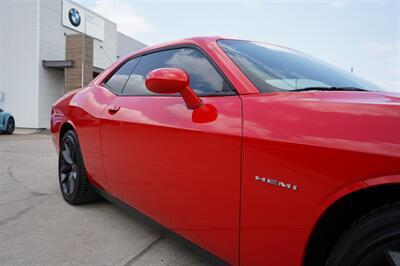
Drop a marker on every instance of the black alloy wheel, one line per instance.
(68, 166)
(385, 253)
(74, 184)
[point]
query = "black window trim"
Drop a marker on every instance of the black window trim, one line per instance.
(104, 81)
(173, 47)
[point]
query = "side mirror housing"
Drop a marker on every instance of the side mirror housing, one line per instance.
(205, 114)
(173, 80)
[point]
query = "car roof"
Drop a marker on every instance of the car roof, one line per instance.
(199, 41)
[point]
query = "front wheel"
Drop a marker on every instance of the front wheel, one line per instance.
(10, 126)
(373, 241)
(74, 184)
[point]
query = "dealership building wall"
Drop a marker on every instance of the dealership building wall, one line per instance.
(33, 56)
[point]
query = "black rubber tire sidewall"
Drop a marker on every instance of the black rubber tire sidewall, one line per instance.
(8, 131)
(380, 225)
(81, 171)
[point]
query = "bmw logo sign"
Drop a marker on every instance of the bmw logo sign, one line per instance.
(74, 17)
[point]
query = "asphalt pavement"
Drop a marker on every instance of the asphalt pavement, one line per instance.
(37, 227)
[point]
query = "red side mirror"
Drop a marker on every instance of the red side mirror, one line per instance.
(172, 80)
(205, 114)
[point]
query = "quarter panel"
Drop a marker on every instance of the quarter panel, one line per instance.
(85, 110)
(3, 120)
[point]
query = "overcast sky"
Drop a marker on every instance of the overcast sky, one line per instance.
(362, 34)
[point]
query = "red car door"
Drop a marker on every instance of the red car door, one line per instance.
(161, 160)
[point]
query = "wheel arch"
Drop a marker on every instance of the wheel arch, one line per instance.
(65, 127)
(8, 116)
(359, 199)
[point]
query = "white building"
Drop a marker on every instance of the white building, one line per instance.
(38, 54)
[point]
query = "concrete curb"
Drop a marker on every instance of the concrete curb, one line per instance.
(30, 131)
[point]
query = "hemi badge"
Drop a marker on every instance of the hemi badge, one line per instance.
(277, 183)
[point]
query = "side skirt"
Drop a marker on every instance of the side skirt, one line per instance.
(132, 211)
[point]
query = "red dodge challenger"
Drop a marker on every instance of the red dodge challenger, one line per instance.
(259, 154)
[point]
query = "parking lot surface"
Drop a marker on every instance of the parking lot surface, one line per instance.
(38, 228)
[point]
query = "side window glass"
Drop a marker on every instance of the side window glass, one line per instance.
(204, 78)
(118, 80)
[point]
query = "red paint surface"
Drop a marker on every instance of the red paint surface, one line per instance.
(325, 143)
(194, 170)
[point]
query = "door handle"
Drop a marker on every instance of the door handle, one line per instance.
(113, 109)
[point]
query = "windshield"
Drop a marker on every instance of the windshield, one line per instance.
(273, 68)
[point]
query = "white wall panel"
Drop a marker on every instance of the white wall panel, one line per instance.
(105, 53)
(18, 57)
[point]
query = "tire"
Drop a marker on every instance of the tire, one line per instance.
(74, 184)
(372, 240)
(10, 126)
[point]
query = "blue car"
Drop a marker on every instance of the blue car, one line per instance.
(7, 122)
